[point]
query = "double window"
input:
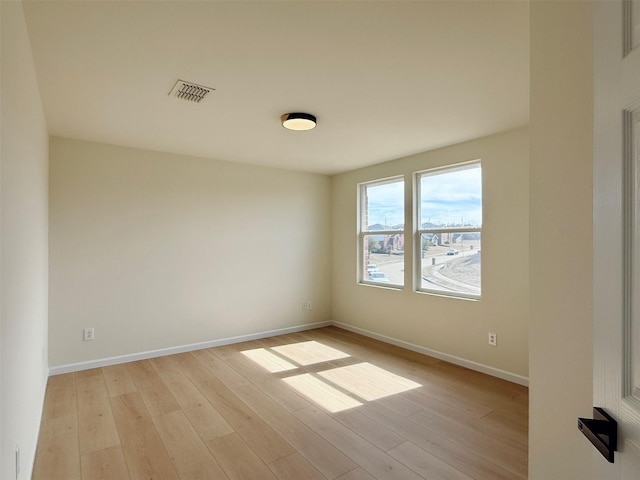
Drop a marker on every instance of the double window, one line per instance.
(447, 206)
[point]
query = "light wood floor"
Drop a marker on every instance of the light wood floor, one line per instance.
(323, 404)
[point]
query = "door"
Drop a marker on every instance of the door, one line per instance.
(616, 223)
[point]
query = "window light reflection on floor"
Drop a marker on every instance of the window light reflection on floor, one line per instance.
(335, 389)
(368, 381)
(322, 393)
(269, 361)
(309, 353)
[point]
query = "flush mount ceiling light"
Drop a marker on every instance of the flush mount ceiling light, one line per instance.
(298, 121)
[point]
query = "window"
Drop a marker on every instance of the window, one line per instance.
(449, 230)
(381, 233)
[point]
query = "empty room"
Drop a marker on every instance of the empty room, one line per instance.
(310, 240)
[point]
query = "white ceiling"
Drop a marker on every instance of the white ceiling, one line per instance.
(385, 79)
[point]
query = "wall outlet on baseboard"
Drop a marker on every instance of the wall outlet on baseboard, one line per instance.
(88, 334)
(493, 339)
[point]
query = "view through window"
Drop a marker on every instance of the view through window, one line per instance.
(449, 232)
(382, 232)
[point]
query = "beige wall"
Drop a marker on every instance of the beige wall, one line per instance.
(156, 250)
(453, 326)
(23, 251)
(561, 239)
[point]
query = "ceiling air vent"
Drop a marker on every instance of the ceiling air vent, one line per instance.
(190, 91)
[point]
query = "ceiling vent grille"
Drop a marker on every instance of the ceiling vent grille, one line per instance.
(190, 91)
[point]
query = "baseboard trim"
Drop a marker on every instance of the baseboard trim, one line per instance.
(478, 367)
(105, 362)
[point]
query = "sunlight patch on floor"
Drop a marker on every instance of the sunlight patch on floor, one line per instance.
(368, 381)
(322, 393)
(335, 389)
(269, 361)
(309, 353)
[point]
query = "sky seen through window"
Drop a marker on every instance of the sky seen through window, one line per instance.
(451, 198)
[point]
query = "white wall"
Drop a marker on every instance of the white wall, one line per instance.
(453, 326)
(156, 250)
(23, 251)
(561, 239)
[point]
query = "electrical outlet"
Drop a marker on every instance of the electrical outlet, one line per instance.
(306, 305)
(17, 461)
(88, 334)
(493, 339)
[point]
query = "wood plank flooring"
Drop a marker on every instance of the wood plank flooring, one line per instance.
(322, 404)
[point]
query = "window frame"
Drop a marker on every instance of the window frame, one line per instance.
(419, 231)
(363, 232)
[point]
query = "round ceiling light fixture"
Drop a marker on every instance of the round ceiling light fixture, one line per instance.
(298, 121)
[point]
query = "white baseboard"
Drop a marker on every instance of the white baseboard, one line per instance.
(478, 367)
(105, 362)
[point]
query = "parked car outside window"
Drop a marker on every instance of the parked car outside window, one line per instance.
(378, 277)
